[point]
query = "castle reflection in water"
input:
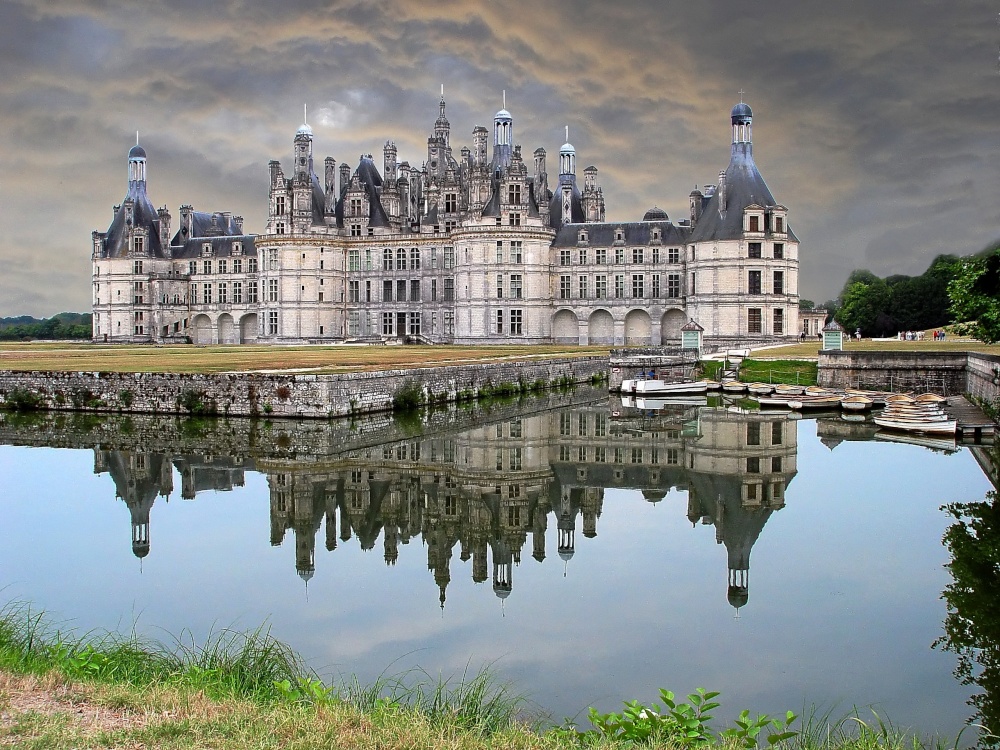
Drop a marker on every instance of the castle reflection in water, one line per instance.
(480, 493)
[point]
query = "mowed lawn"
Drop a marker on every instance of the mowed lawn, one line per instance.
(202, 359)
(810, 349)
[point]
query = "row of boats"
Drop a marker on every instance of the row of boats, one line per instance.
(898, 411)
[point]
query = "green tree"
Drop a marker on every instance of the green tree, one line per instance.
(975, 297)
(864, 303)
(972, 624)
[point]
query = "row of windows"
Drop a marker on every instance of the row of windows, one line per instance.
(754, 250)
(754, 282)
(755, 223)
(619, 290)
(601, 255)
(755, 321)
(754, 464)
(236, 292)
(397, 291)
(221, 265)
(397, 323)
(636, 455)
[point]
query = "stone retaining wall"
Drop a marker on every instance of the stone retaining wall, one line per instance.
(282, 395)
(946, 373)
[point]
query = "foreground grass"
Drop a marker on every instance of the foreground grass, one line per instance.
(244, 691)
(810, 349)
(244, 358)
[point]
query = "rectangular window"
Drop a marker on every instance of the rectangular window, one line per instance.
(779, 322)
(515, 219)
(515, 286)
(223, 293)
(775, 464)
(400, 290)
(368, 291)
(387, 323)
(564, 258)
(564, 287)
(779, 250)
(387, 291)
(206, 294)
(753, 465)
(619, 285)
(656, 255)
(753, 283)
(206, 266)
(251, 265)
(434, 290)
(272, 259)
(450, 202)
(601, 255)
(565, 424)
(583, 287)
(449, 323)
(674, 255)
(449, 257)
(414, 258)
(415, 290)
(223, 266)
(279, 228)
(237, 292)
(655, 291)
(779, 224)
(753, 249)
(449, 290)
(193, 267)
(353, 323)
(776, 433)
(638, 286)
(583, 256)
(619, 255)
(516, 252)
(272, 290)
(754, 223)
(499, 321)
(279, 205)
(414, 323)
(514, 194)
(694, 278)
(272, 322)
(600, 454)
(354, 291)
(754, 320)
(353, 260)
(516, 322)
(779, 282)
(252, 292)
(499, 286)
(637, 255)
(237, 265)
(499, 252)
(137, 266)
(753, 433)
(600, 286)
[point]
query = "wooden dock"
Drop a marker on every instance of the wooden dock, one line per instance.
(973, 425)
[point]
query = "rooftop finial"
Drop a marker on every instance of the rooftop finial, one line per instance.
(442, 91)
(137, 138)
(567, 134)
(741, 95)
(305, 114)
(505, 98)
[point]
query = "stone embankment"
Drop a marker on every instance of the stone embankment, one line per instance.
(285, 395)
(946, 373)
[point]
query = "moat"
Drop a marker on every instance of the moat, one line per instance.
(588, 552)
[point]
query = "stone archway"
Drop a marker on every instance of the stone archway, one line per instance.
(226, 329)
(202, 329)
(638, 328)
(565, 328)
(670, 325)
(601, 328)
(248, 328)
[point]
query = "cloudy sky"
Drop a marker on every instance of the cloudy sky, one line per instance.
(876, 123)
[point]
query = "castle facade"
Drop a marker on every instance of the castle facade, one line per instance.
(469, 248)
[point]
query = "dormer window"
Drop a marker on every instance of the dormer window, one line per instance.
(139, 245)
(237, 248)
(582, 236)
(656, 235)
(619, 235)
(279, 205)
(206, 249)
(754, 225)
(514, 194)
(779, 225)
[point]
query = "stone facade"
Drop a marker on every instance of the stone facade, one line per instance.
(302, 395)
(469, 248)
(946, 373)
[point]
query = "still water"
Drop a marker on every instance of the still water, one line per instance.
(590, 553)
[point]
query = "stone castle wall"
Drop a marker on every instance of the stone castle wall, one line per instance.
(282, 395)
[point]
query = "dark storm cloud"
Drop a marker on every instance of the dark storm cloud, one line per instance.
(874, 123)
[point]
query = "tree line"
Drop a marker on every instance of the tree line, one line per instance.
(65, 325)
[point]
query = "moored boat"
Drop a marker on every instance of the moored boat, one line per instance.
(628, 386)
(656, 387)
(782, 389)
(761, 389)
(818, 402)
(945, 426)
(929, 398)
(733, 386)
(856, 403)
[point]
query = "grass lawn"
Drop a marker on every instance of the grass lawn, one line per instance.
(241, 358)
(810, 349)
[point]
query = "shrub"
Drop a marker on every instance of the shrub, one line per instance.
(23, 399)
(126, 398)
(409, 396)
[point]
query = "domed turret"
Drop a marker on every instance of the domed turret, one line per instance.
(742, 113)
(742, 118)
(655, 214)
